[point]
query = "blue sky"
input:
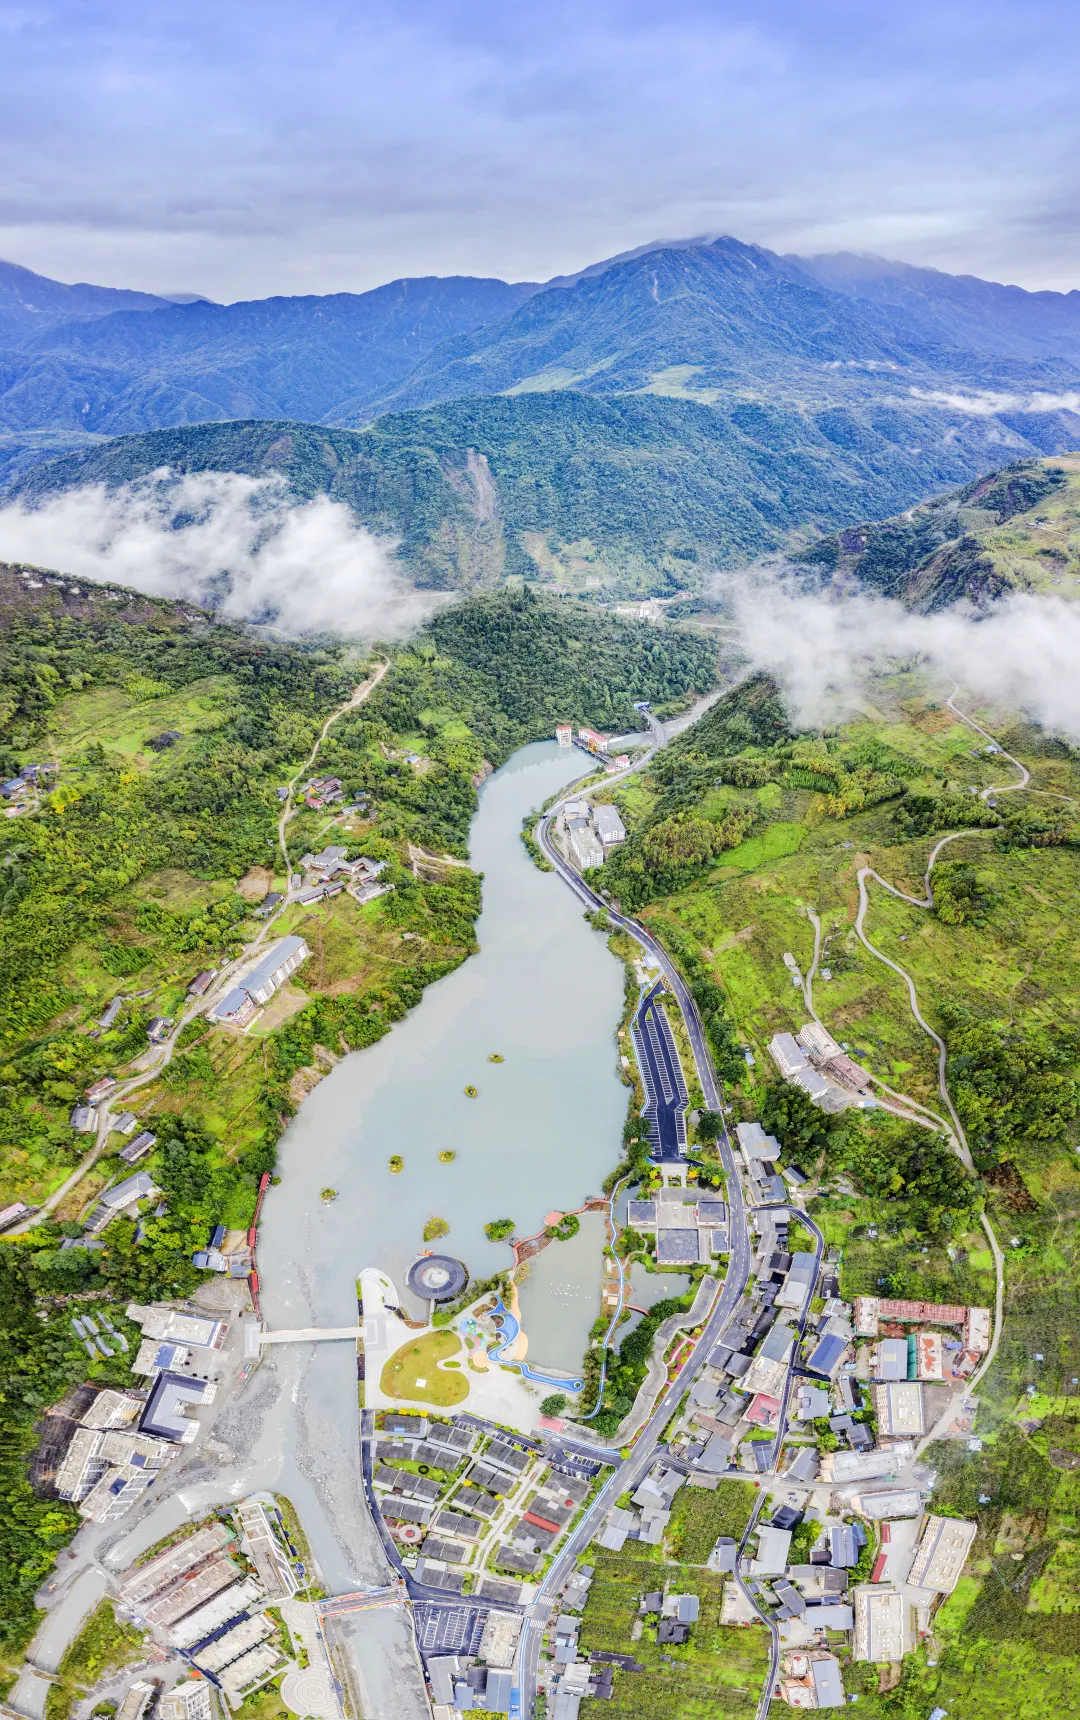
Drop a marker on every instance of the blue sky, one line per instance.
(241, 149)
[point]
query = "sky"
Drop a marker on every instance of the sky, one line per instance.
(241, 149)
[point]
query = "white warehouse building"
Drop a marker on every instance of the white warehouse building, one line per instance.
(259, 984)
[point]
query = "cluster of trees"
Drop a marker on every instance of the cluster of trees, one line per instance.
(664, 857)
(1014, 1087)
(628, 1366)
(962, 895)
(902, 1163)
(39, 1360)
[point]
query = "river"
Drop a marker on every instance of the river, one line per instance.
(543, 1132)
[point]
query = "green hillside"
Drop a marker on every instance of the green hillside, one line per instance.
(632, 494)
(740, 833)
(1014, 530)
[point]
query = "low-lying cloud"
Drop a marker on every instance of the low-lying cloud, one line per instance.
(823, 648)
(240, 545)
(988, 403)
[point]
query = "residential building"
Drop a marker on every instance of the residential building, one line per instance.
(136, 1700)
(817, 1042)
(256, 1667)
(123, 1124)
(227, 1605)
(83, 1120)
(788, 1056)
(843, 1545)
(161, 1572)
(812, 1082)
(895, 1502)
(869, 1310)
(798, 1285)
(826, 1356)
(138, 1148)
(929, 1357)
(585, 846)
(112, 1409)
(258, 985)
(187, 1701)
(941, 1553)
(891, 1359)
(159, 1320)
(773, 1547)
(840, 1467)
(83, 1465)
(100, 1089)
(811, 1403)
(122, 1197)
(166, 1414)
(115, 1492)
(879, 1624)
(265, 1551)
(609, 826)
(898, 1406)
(245, 1635)
(977, 1330)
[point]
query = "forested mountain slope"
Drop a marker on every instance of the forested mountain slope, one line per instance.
(720, 321)
(956, 310)
(634, 493)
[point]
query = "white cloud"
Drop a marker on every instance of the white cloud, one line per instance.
(822, 647)
(987, 403)
(239, 544)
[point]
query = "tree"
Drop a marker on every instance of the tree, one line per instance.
(499, 1229)
(554, 1404)
(710, 1126)
(568, 1226)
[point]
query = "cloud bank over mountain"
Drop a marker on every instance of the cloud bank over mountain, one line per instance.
(236, 543)
(823, 648)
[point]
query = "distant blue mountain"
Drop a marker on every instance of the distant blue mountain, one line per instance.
(266, 358)
(31, 303)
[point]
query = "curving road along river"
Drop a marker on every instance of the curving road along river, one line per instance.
(627, 1475)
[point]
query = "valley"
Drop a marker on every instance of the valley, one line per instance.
(289, 1015)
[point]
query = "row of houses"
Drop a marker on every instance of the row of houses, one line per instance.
(495, 1491)
(328, 873)
(257, 985)
(204, 1602)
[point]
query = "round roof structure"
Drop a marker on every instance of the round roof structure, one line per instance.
(436, 1277)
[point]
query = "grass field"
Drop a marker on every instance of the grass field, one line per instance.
(718, 1673)
(103, 1645)
(699, 1518)
(415, 1372)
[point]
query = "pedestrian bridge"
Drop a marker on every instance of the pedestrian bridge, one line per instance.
(256, 1336)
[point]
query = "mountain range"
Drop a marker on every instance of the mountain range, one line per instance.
(683, 405)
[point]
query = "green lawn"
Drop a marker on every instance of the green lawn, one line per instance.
(413, 1372)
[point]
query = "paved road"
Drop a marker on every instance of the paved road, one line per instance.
(629, 1473)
